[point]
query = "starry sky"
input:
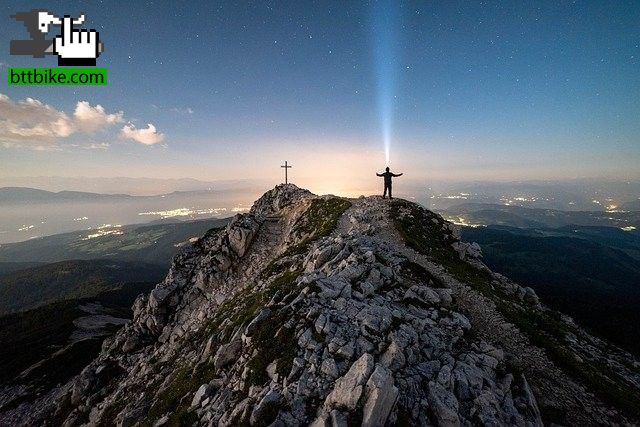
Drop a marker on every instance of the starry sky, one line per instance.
(455, 90)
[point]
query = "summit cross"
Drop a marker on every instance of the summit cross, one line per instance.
(286, 168)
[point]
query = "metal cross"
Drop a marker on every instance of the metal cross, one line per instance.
(286, 167)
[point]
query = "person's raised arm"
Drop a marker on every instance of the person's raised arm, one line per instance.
(397, 174)
(379, 174)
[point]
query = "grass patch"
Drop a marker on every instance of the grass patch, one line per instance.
(416, 273)
(319, 221)
(243, 307)
(321, 218)
(171, 399)
(543, 328)
(273, 341)
(175, 399)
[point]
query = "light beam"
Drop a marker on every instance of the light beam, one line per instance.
(385, 23)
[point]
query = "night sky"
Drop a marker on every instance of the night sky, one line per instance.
(457, 90)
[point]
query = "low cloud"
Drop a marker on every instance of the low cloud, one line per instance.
(187, 110)
(146, 136)
(32, 124)
(92, 146)
(91, 118)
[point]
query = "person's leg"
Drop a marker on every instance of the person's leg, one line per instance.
(384, 194)
(390, 193)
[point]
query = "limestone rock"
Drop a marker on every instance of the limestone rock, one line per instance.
(348, 389)
(380, 397)
(227, 353)
(301, 311)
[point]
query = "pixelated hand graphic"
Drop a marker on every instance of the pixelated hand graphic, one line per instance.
(76, 47)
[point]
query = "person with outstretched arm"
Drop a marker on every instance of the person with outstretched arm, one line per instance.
(387, 181)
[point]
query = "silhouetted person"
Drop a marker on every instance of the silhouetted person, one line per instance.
(387, 181)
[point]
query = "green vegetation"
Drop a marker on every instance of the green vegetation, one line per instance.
(416, 226)
(586, 272)
(35, 330)
(273, 341)
(321, 218)
(173, 399)
(42, 336)
(33, 335)
(244, 306)
(319, 221)
(10, 267)
(417, 273)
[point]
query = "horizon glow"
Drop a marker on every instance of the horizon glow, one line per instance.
(496, 91)
(384, 25)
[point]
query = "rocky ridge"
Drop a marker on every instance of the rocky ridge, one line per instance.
(325, 311)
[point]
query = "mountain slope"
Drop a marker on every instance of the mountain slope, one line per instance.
(36, 286)
(50, 344)
(585, 272)
(330, 311)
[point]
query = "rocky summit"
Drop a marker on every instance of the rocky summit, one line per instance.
(327, 311)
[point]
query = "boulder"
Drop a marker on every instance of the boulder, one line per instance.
(227, 353)
(239, 239)
(393, 358)
(531, 297)
(445, 405)
(201, 394)
(421, 294)
(348, 389)
(267, 409)
(380, 397)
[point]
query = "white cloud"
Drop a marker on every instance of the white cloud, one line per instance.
(92, 146)
(187, 110)
(91, 118)
(30, 123)
(147, 136)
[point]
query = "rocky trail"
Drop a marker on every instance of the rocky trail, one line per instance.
(331, 312)
(554, 387)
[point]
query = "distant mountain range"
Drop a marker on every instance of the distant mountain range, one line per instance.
(134, 186)
(34, 195)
